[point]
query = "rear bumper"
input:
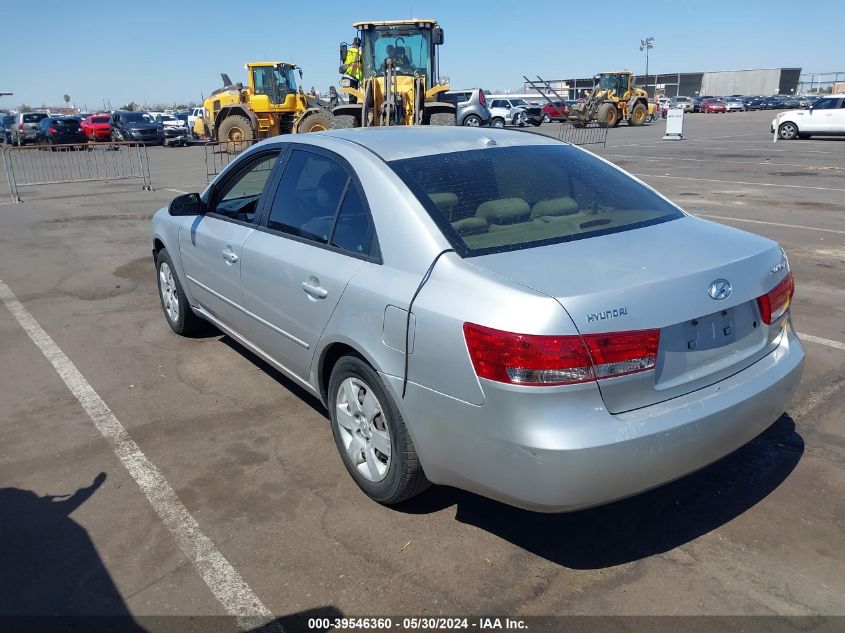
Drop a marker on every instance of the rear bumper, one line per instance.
(554, 452)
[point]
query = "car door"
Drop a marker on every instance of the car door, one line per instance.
(211, 245)
(821, 117)
(839, 118)
(317, 232)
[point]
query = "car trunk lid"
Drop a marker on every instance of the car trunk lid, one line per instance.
(658, 277)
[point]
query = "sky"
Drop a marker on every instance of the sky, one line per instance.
(155, 51)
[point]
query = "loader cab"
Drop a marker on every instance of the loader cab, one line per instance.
(410, 46)
(619, 83)
(273, 81)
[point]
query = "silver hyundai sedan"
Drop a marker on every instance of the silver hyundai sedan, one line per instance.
(492, 310)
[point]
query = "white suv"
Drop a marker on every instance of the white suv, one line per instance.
(826, 117)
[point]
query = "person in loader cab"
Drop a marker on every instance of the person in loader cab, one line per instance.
(352, 65)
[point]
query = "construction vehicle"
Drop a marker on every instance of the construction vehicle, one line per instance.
(269, 105)
(614, 98)
(400, 83)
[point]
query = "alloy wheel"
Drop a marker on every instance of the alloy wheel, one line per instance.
(363, 429)
(169, 296)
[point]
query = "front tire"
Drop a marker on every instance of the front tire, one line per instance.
(344, 121)
(497, 122)
(174, 303)
(371, 435)
(607, 115)
(787, 131)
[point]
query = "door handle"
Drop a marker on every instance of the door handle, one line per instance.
(318, 292)
(229, 255)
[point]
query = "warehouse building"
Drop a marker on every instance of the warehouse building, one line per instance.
(763, 81)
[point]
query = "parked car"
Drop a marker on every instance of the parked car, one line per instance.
(680, 101)
(826, 117)
(195, 115)
(712, 105)
(771, 103)
(24, 127)
(555, 111)
(519, 111)
(96, 127)
(176, 131)
(734, 104)
(752, 103)
(136, 126)
(471, 107)
(59, 131)
(696, 104)
(672, 348)
(6, 122)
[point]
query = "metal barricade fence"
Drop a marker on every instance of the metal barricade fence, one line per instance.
(218, 154)
(29, 166)
(589, 134)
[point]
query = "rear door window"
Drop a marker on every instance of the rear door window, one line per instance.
(34, 117)
(499, 199)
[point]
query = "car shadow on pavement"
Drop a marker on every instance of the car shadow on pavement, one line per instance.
(650, 523)
(49, 565)
(306, 396)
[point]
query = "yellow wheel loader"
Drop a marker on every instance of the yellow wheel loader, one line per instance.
(269, 105)
(613, 99)
(399, 83)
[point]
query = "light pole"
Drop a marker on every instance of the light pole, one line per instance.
(646, 45)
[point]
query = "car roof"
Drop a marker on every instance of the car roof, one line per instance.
(397, 142)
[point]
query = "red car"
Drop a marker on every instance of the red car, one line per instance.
(96, 127)
(713, 105)
(554, 111)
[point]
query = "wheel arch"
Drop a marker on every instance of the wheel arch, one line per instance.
(329, 355)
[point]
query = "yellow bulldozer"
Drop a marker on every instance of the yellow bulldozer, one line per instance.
(614, 98)
(399, 83)
(269, 105)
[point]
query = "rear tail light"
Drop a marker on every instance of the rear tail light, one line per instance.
(482, 99)
(20, 127)
(52, 130)
(775, 303)
(542, 360)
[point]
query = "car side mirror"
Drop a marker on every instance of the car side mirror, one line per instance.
(437, 36)
(188, 204)
(343, 50)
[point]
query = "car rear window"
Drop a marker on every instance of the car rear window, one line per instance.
(34, 117)
(100, 119)
(66, 124)
(510, 198)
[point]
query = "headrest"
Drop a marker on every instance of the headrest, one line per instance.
(554, 206)
(504, 211)
(445, 201)
(470, 226)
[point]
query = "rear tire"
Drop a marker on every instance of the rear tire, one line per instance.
(443, 119)
(472, 120)
(362, 409)
(314, 122)
(638, 115)
(344, 122)
(235, 133)
(178, 314)
(547, 118)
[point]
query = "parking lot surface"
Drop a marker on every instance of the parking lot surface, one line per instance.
(250, 455)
